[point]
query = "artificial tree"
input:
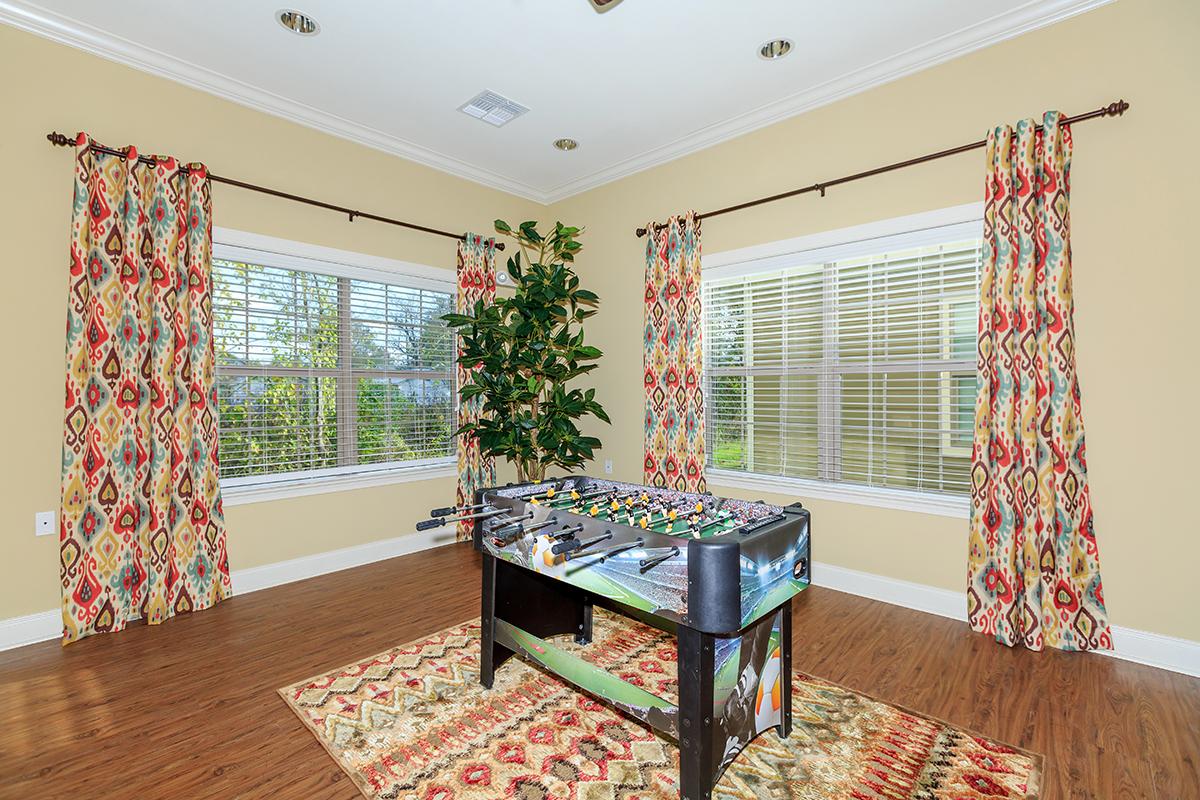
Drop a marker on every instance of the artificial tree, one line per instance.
(523, 349)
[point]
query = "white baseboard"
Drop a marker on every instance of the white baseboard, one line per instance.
(1143, 647)
(46, 625)
(31, 628)
(1155, 650)
(298, 569)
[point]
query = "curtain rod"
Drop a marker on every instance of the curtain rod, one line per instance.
(62, 140)
(1111, 110)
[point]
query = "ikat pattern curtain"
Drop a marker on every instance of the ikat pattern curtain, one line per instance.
(476, 273)
(673, 435)
(1033, 566)
(142, 533)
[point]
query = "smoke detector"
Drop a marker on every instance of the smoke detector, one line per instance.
(492, 108)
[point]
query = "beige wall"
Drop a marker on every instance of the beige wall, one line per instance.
(1134, 197)
(51, 87)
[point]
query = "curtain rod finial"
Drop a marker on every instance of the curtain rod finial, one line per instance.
(60, 139)
(640, 232)
(1117, 109)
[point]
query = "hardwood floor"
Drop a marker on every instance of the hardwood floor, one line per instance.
(188, 710)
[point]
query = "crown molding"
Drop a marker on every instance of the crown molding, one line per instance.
(56, 27)
(1030, 16)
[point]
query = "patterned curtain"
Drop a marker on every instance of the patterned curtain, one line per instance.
(142, 531)
(1033, 567)
(476, 271)
(673, 436)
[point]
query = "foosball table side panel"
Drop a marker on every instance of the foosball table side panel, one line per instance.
(748, 687)
(731, 689)
(775, 566)
(537, 605)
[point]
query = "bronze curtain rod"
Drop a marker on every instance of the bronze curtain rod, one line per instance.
(62, 140)
(1111, 110)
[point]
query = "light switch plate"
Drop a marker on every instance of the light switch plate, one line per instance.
(43, 523)
(608, 466)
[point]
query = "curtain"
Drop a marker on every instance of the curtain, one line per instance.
(142, 531)
(1033, 565)
(673, 434)
(476, 273)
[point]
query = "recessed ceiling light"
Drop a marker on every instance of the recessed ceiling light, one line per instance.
(777, 48)
(566, 144)
(297, 22)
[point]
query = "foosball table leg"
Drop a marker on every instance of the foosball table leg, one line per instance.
(584, 633)
(487, 618)
(785, 665)
(697, 761)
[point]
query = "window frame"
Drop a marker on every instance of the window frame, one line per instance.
(911, 231)
(246, 247)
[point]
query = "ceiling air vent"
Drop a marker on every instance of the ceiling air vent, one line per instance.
(493, 108)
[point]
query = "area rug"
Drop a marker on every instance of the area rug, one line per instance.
(413, 723)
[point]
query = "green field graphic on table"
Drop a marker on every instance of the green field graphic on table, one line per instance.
(618, 579)
(634, 700)
(771, 597)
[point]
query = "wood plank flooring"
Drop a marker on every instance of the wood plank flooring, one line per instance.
(189, 710)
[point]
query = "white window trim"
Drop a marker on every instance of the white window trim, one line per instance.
(946, 393)
(914, 230)
(942, 505)
(234, 492)
(234, 245)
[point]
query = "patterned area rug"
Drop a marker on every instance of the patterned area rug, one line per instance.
(414, 724)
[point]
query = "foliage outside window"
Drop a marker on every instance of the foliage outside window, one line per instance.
(320, 374)
(856, 371)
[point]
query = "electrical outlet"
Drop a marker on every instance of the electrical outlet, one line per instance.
(608, 466)
(43, 523)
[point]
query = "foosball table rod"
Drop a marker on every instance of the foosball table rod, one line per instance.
(508, 523)
(609, 552)
(573, 498)
(648, 564)
(438, 522)
(450, 511)
(566, 533)
(574, 548)
(521, 530)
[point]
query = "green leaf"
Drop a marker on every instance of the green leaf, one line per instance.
(527, 346)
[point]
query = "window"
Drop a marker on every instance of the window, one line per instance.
(326, 370)
(848, 364)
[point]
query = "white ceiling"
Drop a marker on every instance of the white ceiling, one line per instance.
(644, 82)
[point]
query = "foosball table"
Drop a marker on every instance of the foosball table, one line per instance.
(716, 572)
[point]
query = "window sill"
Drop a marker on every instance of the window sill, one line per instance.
(802, 489)
(244, 494)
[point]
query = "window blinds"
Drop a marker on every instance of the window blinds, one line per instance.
(860, 370)
(319, 373)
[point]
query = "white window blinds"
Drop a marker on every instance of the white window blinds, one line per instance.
(859, 370)
(324, 374)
